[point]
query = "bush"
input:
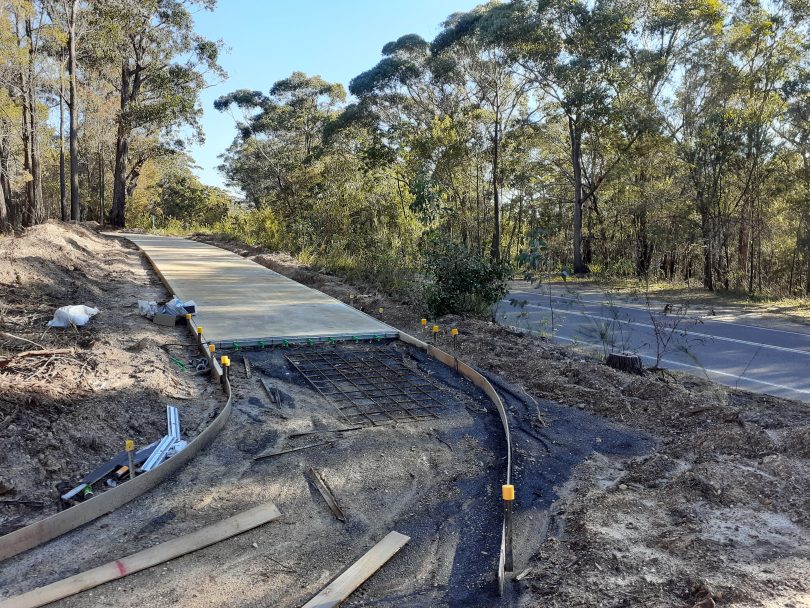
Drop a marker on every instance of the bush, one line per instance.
(461, 281)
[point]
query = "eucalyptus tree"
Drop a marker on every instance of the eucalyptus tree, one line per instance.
(480, 67)
(279, 135)
(67, 15)
(163, 66)
(572, 52)
(22, 22)
(406, 103)
(726, 108)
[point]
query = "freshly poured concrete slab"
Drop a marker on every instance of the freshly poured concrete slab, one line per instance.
(241, 301)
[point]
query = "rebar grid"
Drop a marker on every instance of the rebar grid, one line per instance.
(369, 387)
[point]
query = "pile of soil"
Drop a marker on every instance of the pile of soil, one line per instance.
(61, 415)
(717, 512)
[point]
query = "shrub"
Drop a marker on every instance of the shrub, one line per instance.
(461, 281)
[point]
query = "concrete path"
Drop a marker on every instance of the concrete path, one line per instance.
(241, 301)
(761, 359)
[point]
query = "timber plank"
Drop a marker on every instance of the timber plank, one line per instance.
(355, 575)
(147, 558)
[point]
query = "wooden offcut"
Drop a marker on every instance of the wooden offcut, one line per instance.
(147, 558)
(355, 575)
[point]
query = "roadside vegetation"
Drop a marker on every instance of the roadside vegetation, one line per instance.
(661, 141)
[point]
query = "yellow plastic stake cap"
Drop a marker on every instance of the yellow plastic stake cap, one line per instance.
(199, 330)
(212, 347)
(226, 361)
(435, 329)
(454, 332)
(424, 322)
(381, 310)
(188, 316)
(508, 492)
(129, 445)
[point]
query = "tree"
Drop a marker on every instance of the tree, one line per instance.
(483, 66)
(73, 104)
(163, 65)
(281, 133)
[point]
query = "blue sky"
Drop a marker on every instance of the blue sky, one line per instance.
(267, 40)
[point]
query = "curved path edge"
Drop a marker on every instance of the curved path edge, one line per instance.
(481, 382)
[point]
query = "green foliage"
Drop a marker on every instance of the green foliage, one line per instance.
(461, 281)
(535, 259)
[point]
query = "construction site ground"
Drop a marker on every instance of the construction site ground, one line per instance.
(632, 491)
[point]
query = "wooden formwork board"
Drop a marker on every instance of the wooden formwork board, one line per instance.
(355, 575)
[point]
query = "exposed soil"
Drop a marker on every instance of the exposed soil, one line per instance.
(63, 415)
(435, 480)
(631, 491)
(718, 512)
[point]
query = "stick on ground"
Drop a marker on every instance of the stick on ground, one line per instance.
(327, 494)
(147, 558)
(303, 447)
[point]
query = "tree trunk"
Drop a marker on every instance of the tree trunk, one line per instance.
(119, 202)
(708, 273)
(34, 212)
(118, 211)
(4, 223)
(75, 199)
(25, 134)
(5, 182)
(496, 219)
(101, 183)
(62, 185)
(576, 156)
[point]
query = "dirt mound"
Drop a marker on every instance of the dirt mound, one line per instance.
(61, 414)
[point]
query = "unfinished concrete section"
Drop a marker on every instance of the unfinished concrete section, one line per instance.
(241, 301)
(436, 480)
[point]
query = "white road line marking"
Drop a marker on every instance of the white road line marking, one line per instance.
(705, 370)
(691, 333)
(644, 309)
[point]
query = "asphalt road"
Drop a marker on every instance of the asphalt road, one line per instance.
(768, 360)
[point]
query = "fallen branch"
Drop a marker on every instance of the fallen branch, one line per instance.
(15, 501)
(13, 337)
(343, 430)
(37, 353)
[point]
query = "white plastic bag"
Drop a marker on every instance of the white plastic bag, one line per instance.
(148, 309)
(77, 315)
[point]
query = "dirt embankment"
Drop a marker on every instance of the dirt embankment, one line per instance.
(62, 414)
(718, 513)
